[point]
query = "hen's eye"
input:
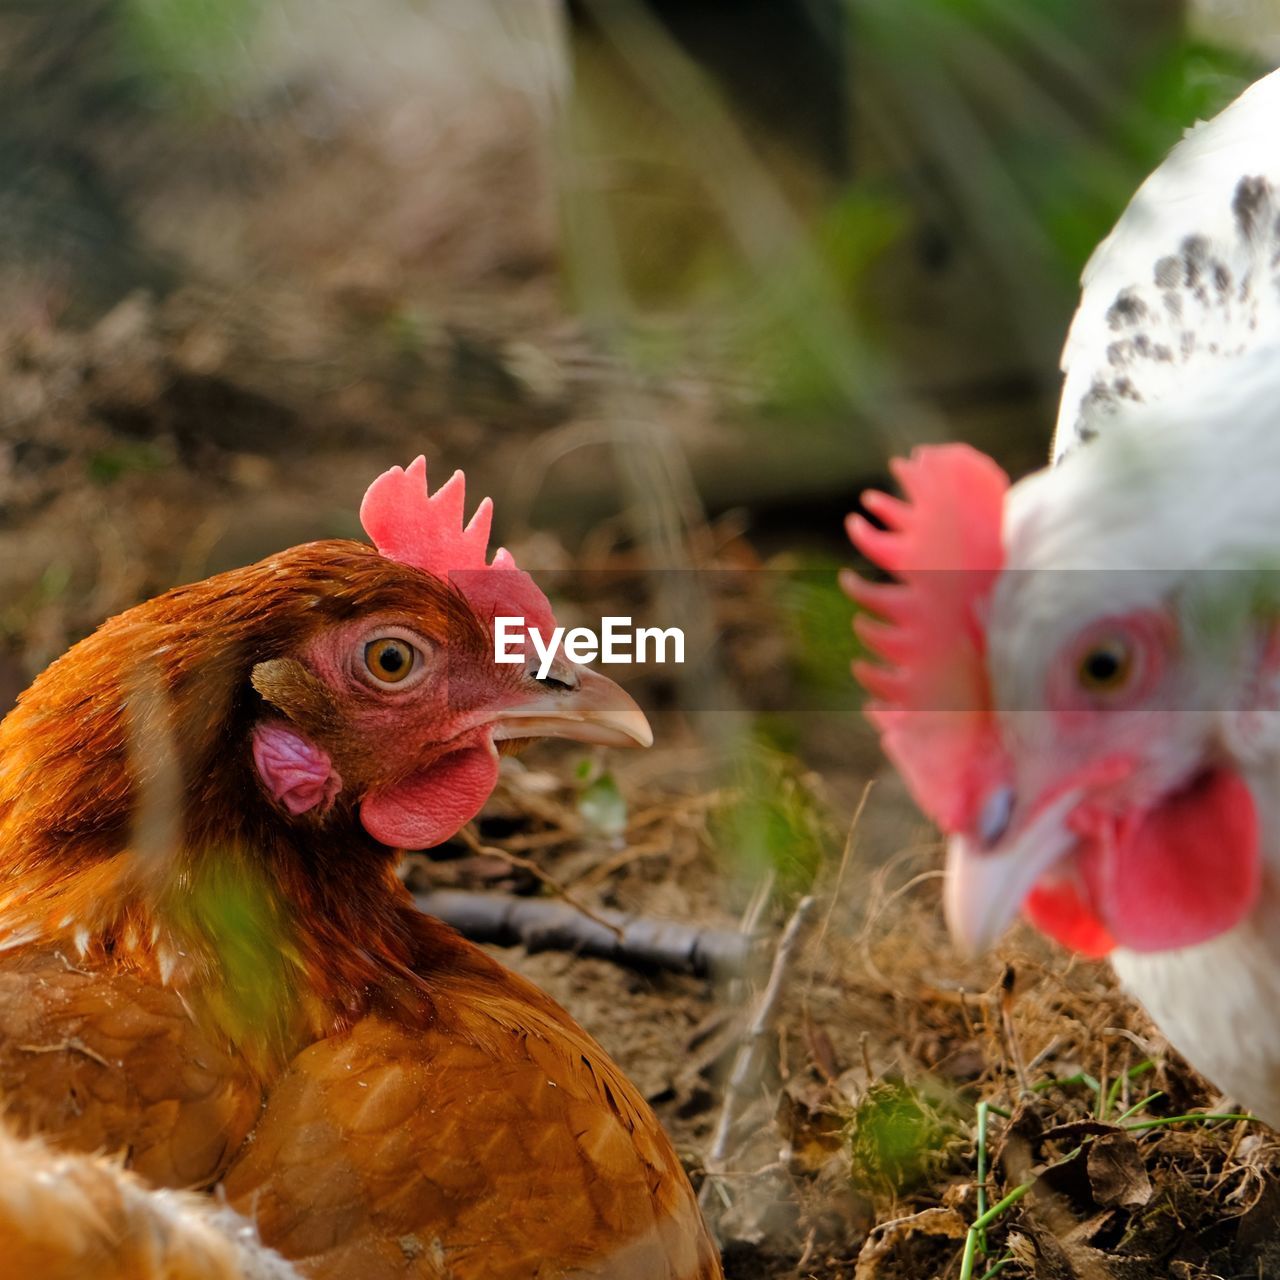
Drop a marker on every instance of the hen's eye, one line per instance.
(389, 659)
(1107, 666)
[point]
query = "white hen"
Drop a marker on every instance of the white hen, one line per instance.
(1089, 701)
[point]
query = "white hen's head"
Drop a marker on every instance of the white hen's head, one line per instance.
(1075, 680)
(1079, 676)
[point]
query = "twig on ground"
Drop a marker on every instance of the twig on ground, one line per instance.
(833, 897)
(1012, 1044)
(636, 941)
(749, 926)
(1104, 1083)
(808, 1251)
(747, 1065)
(623, 858)
(849, 842)
(1046, 1053)
(879, 900)
(759, 901)
(473, 843)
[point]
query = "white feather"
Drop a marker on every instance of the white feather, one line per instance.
(1188, 282)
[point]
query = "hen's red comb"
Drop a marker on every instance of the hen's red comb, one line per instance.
(412, 526)
(932, 704)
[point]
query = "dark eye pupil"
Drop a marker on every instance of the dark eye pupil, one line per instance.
(1102, 666)
(390, 661)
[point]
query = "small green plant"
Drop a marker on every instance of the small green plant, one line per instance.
(601, 804)
(900, 1135)
(108, 465)
(189, 51)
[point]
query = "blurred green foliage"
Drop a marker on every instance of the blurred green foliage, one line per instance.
(817, 617)
(1071, 102)
(1079, 189)
(108, 465)
(789, 362)
(1186, 81)
(771, 821)
(189, 53)
(993, 144)
(229, 904)
(17, 613)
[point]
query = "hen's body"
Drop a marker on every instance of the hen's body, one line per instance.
(461, 1125)
(228, 997)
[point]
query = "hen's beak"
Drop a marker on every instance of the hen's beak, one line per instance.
(986, 886)
(594, 709)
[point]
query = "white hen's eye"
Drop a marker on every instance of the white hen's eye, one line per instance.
(1117, 663)
(389, 660)
(1107, 666)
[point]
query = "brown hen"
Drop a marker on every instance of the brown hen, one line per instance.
(209, 966)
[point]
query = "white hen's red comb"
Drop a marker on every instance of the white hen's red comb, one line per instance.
(413, 526)
(932, 703)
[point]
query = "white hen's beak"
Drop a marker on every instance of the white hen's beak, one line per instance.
(986, 886)
(588, 707)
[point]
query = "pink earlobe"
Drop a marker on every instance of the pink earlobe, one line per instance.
(297, 773)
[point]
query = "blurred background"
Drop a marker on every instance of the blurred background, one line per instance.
(671, 280)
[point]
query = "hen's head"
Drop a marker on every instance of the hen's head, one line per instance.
(395, 701)
(1075, 687)
(333, 687)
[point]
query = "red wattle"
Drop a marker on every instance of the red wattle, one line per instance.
(1058, 908)
(1182, 872)
(428, 807)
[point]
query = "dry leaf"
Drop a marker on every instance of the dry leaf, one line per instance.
(1116, 1171)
